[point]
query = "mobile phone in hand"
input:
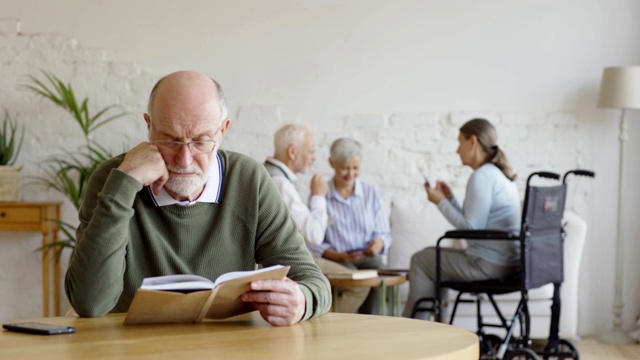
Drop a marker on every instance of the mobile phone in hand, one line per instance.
(426, 181)
(39, 328)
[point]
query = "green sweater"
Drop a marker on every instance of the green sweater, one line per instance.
(123, 237)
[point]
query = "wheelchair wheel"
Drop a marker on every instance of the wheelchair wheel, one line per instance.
(564, 350)
(521, 354)
(489, 345)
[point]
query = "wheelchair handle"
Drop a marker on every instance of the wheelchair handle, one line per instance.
(578, 172)
(544, 174)
(548, 175)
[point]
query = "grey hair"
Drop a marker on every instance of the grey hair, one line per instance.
(222, 98)
(487, 136)
(290, 134)
(345, 149)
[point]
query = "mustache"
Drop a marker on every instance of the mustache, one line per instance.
(193, 169)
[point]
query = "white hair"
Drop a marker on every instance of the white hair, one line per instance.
(290, 134)
(345, 149)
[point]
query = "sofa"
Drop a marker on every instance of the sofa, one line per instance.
(416, 224)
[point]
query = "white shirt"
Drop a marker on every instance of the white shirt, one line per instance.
(211, 193)
(311, 220)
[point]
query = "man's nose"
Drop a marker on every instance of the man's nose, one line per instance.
(184, 158)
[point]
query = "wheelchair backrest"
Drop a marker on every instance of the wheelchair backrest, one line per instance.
(542, 235)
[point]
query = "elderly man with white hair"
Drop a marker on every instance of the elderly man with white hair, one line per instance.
(295, 153)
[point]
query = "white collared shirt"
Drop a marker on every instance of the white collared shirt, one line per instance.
(311, 220)
(211, 193)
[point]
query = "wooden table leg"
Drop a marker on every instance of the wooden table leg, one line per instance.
(56, 265)
(383, 298)
(45, 273)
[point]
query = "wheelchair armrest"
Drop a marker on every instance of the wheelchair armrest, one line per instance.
(480, 234)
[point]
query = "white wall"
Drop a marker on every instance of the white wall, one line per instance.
(401, 76)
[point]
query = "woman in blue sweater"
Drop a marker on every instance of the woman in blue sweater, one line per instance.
(491, 202)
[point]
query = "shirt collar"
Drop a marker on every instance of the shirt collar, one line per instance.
(212, 189)
(334, 193)
(282, 166)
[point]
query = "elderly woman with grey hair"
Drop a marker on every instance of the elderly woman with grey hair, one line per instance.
(358, 231)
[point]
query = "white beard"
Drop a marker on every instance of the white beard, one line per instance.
(186, 186)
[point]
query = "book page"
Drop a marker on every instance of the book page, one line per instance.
(240, 274)
(177, 282)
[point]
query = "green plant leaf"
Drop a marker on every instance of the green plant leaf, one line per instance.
(68, 173)
(10, 141)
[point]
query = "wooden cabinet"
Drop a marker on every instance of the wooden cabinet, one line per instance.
(38, 217)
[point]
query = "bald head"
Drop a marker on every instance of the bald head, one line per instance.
(187, 108)
(189, 89)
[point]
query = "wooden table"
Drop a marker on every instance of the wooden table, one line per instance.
(383, 281)
(331, 336)
(22, 216)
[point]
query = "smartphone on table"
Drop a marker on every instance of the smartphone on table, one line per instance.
(39, 328)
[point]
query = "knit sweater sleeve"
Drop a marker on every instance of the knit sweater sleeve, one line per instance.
(279, 242)
(94, 280)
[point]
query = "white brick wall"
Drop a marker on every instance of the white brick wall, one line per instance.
(397, 142)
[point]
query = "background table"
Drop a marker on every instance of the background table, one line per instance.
(40, 217)
(384, 281)
(331, 336)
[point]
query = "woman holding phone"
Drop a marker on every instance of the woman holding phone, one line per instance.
(491, 202)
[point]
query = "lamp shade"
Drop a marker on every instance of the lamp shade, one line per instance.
(620, 88)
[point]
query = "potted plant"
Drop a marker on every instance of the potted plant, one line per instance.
(11, 137)
(69, 172)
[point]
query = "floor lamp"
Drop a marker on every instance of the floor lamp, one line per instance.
(620, 89)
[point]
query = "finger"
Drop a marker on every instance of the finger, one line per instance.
(283, 306)
(158, 184)
(271, 286)
(272, 316)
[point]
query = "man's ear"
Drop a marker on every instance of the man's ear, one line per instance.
(225, 127)
(147, 119)
(291, 152)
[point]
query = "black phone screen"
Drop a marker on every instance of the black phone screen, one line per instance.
(39, 328)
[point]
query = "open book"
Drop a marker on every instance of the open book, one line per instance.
(191, 298)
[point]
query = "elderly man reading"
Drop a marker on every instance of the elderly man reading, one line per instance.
(179, 204)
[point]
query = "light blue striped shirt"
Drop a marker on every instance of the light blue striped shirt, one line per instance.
(355, 221)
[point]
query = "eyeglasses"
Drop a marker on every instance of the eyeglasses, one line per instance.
(195, 147)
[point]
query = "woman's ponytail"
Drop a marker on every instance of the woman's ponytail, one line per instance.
(499, 159)
(487, 137)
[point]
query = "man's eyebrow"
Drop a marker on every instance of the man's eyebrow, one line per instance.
(204, 133)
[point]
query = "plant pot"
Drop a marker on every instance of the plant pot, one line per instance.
(10, 183)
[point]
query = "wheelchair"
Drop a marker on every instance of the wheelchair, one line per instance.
(541, 262)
